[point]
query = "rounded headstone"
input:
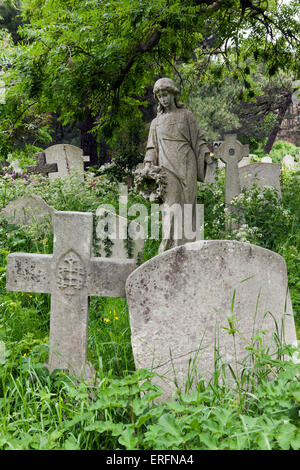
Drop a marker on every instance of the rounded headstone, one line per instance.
(28, 210)
(67, 157)
(288, 161)
(266, 160)
(262, 174)
(182, 301)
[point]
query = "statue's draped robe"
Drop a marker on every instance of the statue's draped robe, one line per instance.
(176, 144)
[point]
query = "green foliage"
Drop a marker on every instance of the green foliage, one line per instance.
(42, 411)
(91, 58)
(279, 150)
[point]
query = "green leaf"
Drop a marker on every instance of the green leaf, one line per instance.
(127, 439)
(104, 426)
(211, 444)
(284, 435)
(170, 426)
(263, 441)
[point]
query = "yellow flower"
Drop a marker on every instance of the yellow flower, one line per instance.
(25, 355)
(116, 318)
(106, 320)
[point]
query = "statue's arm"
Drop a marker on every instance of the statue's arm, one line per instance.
(200, 147)
(151, 157)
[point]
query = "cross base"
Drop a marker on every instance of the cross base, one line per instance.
(87, 371)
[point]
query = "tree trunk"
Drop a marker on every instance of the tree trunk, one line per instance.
(88, 141)
(281, 113)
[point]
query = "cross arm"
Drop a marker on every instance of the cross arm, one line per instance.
(108, 276)
(28, 272)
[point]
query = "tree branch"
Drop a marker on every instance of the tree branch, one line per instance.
(140, 48)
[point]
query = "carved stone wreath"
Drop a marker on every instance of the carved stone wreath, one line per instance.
(151, 183)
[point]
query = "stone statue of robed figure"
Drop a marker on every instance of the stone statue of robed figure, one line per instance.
(177, 146)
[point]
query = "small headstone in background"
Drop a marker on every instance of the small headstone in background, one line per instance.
(16, 167)
(28, 210)
(245, 161)
(70, 275)
(289, 162)
(181, 301)
(110, 244)
(262, 174)
(266, 160)
(41, 167)
(211, 170)
(67, 157)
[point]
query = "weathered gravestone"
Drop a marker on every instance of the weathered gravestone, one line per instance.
(262, 174)
(211, 169)
(289, 161)
(117, 237)
(70, 275)
(67, 157)
(41, 167)
(266, 160)
(245, 161)
(16, 167)
(28, 210)
(180, 300)
(231, 152)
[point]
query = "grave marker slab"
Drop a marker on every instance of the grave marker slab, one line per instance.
(288, 161)
(70, 275)
(266, 160)
(28, 210)
(211, 170)
(67, 157)
(245, 161)
(180, 300)
(261, 174)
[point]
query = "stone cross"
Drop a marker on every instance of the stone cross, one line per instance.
(231, 152)
(41, 166)
(70, 275)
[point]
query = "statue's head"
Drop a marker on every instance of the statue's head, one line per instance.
(166, 84)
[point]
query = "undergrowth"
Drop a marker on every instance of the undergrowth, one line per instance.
(121, 409)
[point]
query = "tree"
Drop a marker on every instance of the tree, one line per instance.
(91, 61)
(9, 18)
(274, 101)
